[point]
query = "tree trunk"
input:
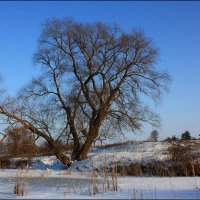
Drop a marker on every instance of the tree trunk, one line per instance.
(62, 157)
(74, 135)
(95, 124)
(92, 135)
(58, 153)
(76, 143)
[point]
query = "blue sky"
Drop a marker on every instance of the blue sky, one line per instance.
(174, 27)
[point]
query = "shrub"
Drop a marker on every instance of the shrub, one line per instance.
(173, 138)
(45, 149)
(183, 161)
(21, 164)
(134, 169)
(21, 143)
(4, 162)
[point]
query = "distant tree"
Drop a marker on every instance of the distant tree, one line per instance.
(186, 136)
(170, 139)
(174, 138)
(154, 136)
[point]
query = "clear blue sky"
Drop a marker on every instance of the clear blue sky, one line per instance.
(174, 26)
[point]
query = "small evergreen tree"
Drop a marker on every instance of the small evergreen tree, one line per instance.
(174, 138)
(186, 136)
(170, 139)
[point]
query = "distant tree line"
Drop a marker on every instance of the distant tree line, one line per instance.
(154, 135)
(184, 136)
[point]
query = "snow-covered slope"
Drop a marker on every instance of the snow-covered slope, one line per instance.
(120, 154)
(124, 154)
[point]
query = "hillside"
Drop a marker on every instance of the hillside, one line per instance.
(123, 154)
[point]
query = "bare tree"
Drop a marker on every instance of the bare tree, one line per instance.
(154, 136)
(92, 75)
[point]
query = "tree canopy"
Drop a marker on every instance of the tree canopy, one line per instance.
(92, 81)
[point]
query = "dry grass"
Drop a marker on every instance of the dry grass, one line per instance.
(161, 169)
(134, 169)
(183, 161)
(21, 186)
(93, 183)
(110, 177)
(18, 188)
(114, 177)
(67, 172)
(45, 174)
(106, 182)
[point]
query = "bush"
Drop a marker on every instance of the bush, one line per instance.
(173, 138)
(134, 169)
(183, 161)
(160, 168)
(20, 143)
(4, 162)
(45, 149)
(22, 164)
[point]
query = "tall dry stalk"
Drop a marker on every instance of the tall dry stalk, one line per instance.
(93, 183)
(19, 188)
(106, 183)
(114, 177)
(26, 184)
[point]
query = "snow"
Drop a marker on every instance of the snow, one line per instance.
(78, 187)
(48, 178)
(137, 152)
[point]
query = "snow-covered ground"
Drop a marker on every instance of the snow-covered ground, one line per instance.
(48, 178)
(58, 186)
(132, 152)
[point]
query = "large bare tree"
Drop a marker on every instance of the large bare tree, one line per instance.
(93, 76)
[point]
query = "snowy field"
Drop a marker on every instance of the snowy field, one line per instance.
(48, 178)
